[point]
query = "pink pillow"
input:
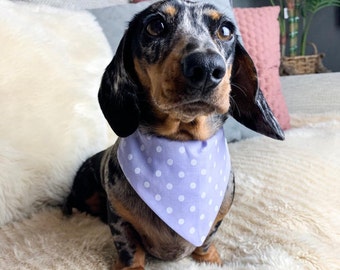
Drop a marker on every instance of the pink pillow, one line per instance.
(260, 33)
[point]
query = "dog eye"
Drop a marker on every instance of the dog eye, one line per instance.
(155, 27)
(225, 33)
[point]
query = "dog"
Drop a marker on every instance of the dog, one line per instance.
(165, 186)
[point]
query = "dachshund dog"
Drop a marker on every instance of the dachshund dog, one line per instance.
(178, 72)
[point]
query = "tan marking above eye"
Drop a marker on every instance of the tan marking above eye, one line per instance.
(170, 10)
(214, 14)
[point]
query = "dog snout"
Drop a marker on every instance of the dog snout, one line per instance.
(203, 70)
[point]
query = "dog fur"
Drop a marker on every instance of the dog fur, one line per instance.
(178, 72)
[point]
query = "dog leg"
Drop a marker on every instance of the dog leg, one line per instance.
(87, 194)
(130, 253)
(137, 264)
(207, 252)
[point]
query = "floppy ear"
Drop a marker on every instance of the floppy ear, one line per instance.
(248, 105)
(118, 91)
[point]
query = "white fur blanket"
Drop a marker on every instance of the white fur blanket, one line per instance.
(286, 213)
(51, 64)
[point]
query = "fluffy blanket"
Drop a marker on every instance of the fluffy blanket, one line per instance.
(286, 213)
(51, 65)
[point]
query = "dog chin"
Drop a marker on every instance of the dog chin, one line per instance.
(189, 112)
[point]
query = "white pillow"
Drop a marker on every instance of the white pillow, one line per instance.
(51, 64)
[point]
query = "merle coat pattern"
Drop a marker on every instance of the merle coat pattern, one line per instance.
(178, 72)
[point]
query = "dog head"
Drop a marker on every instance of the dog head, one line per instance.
(178, 71)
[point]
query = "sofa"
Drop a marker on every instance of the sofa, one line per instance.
(286, 213)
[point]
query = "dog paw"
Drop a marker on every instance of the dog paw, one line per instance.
(209, 256)
(128, 268)
(119, 266)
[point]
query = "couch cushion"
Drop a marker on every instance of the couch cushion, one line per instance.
(312, 93)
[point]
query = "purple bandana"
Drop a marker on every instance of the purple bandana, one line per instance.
(182, 182)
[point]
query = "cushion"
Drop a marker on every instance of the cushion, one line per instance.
(321, 90)
(51, 67)
(260, 32)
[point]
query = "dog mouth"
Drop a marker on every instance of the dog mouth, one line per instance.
(189, 111)
(186, 105)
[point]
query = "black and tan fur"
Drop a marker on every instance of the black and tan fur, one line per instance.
(178, 72)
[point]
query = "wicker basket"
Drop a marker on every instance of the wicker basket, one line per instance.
(294, 65)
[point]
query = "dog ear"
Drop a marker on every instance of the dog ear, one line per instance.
(118, 91)
(248, 105)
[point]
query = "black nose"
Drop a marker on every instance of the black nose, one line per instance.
(203, 70)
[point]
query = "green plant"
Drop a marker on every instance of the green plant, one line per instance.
(308, 10)
(300, 14)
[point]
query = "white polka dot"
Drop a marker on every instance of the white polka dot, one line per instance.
(193, 185)
(203, 239)
(192, 230)
(216, 141)
(211, 223)
(203, 195)
(203, 171)
(146, 184)
(210, 157)
(170, 162)
(192, 208)
(218, 149)
(158, 173)
(148, 137)
(216, 208)
(149, 160)
(181, 221)
(169, 186)
(159, 149)
(142, 147)
(181, 149)
(209, 179)
(216, 187)
(169, 210)
(193, 162)
(130, 156)
(221, 193)
(221, 172)
(215, 164)
(158, 197)
(137, 170)
(224, 158)
(181, 198)
(202, 217)
(181, 174)
(210, 202)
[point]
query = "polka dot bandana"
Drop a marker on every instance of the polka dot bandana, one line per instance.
(182, 182)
